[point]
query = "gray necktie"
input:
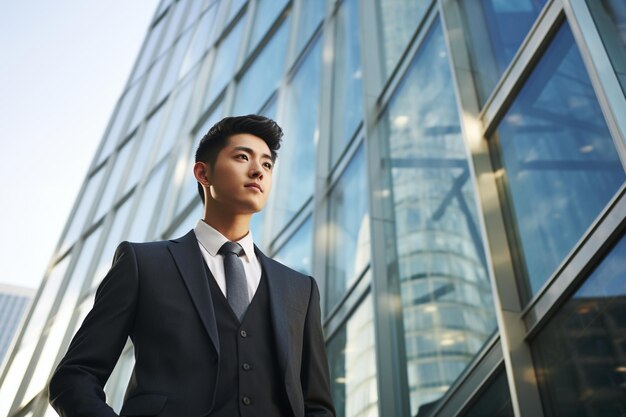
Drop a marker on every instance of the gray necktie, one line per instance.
(236, 284)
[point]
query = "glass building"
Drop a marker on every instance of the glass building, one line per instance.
(453, 175)
(14, 301)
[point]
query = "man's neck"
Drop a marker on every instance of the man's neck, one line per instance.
(232, 227)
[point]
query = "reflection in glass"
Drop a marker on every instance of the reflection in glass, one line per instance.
(265, 14)
(116, 235)
(54, 343)
(224, 65)
(311, 15)
(86, 202)
(148, 207)
(446, 297)
(297, 251)
(172, 25)
(264, 75)
(348, 245)
(202, 38)
(580, 356)
(610, 18)
(113, 135)
(560, 161)
(400, 19)
(297, 153)
(177, 120)
(148, 90)
(173, 67)
(495, 30)
(494, 400)
(148, 51)
(348, 78)
(114, 179)
(235, 6)
(352, 361)
(17, 367)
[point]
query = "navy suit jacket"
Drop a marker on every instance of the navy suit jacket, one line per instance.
(158, 294)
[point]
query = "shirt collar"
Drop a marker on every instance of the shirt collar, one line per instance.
(212, 240)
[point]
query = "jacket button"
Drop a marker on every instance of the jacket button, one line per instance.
(243, 334)
(246, 401)
(246, 366)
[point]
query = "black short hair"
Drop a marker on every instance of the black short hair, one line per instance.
(217, 137)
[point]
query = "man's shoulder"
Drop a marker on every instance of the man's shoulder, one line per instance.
(157, 245)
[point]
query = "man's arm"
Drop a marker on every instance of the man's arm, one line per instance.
(314, 372)
(76, 388)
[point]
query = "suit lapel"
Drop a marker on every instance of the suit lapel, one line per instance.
(190, 263)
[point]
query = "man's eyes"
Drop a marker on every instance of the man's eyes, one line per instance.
(242, 156)
(268, 165)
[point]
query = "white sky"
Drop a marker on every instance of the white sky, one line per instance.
(63, 64)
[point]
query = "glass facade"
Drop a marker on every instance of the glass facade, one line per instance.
(452, 174)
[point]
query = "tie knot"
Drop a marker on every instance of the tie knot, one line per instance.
(231, 247)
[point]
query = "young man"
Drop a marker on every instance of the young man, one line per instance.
(218, 328)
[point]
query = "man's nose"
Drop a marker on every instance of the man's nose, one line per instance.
(256, 171)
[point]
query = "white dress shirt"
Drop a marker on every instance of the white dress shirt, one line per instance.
(210, 242)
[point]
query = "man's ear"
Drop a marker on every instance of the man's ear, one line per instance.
(202, 172)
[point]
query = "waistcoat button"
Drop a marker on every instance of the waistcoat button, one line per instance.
(246, 401)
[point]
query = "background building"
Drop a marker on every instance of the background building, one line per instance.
(452, 174)
(13, 303)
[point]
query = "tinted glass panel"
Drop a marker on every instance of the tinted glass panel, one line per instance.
(224, 65)
(296, 252)
(149, 205)
(496, 28)
(610, 18)
(560, 162)
(297, 153)
(263, 76)
(494, 401)
(400, 19)
(348, 75)
(446, 296)
(348, 245)
(147, 93)
(114, 178)
(202, 38)
(311, 15)
(265, 15)
(581, 354)
(352, 362)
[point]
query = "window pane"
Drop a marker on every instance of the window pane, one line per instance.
(496, 28)
(224, 65)
(148, 50)
(142, 155)
(400, 19)
(121, 116)
(173, 66)
(265, 15)
(116, 235)
(147, 92)
(86, 202)
(560, 162)
(263, 76)
(296, 162)
(581, 353)
(348, 89)
(349, 233)
(114, 178)
(494, 401)
(175, 13)
(296, 252)
(610, 18)
(311, 15)
(446, 296)
(53, 345)
(202, 38)
(150, 198)
(352, 360)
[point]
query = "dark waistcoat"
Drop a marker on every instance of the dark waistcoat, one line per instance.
(249, 382)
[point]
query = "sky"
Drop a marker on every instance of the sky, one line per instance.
(63, 66)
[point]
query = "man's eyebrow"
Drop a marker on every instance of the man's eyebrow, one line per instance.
(250, 151)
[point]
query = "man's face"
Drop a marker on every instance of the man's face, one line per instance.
(241, 179)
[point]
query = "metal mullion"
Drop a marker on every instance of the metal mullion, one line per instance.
(500, 261)
(608, 89)
(529, 52)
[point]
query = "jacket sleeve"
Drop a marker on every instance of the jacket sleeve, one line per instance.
(76, 387)
(314, 374)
